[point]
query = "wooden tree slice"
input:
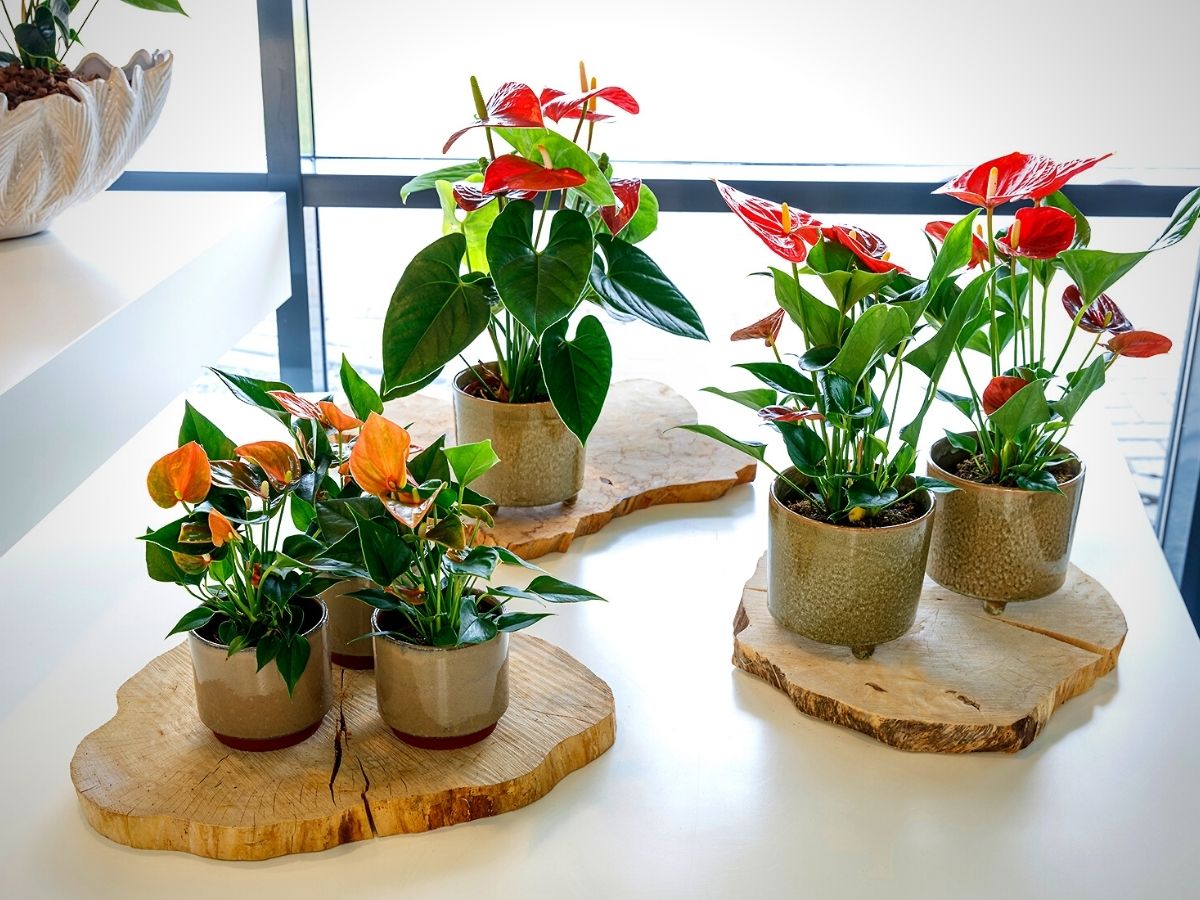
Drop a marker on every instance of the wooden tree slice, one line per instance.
(154, 777)
(633, 461)
(960, 681)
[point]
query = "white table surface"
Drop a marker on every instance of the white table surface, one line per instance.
(172, 280)
(716, 787)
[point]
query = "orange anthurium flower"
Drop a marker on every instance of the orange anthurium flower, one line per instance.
(276, 458)
(180, 475)
(221, 529)
(379, 460)
(766, 328)
(296, 405)
(332, 417)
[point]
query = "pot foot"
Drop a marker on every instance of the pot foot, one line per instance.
(863, 652)
(444, 743)
(261, 745)
(995, 607)
(346, 661)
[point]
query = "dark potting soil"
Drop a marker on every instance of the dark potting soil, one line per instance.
(495, 389)
(896, 514)
(975, 468)
(20, 84)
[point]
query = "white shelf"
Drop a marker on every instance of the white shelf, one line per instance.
(110, 314)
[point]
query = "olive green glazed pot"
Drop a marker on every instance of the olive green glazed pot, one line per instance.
(440, 698)
(349, 618)
(854, 587)
(999, 544)
(541, 461)
(249, 709)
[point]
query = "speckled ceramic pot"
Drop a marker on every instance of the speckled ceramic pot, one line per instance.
(349, 618)
(248, 709)
(1000, 544)
(541, 462)
(440, 698)
(855, 587)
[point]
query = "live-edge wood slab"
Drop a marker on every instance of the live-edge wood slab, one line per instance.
(154, 777)
(960, 681)
(633, 461)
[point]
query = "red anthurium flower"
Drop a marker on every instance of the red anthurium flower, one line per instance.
(1102, 315)
(468, 197)
(221, 530)
(513, 105)
(871, 251)
(1139, 344)
(557, 106)
(297, 406)
(999, 390)
(786, 231)
(628, 192)
(181, 475)
(1017, 176)
(938, 231)
(276, 458)
(333, 417)
(1039, 232)
(515, 173)
(549, 94)
(379, 460)
(766, 328)
(786, 414)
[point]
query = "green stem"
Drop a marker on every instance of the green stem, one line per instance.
(1018, 325)
(993, 329)
(1045, 299)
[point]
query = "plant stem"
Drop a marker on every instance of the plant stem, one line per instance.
(1045, 299)
(542, 219)
(79, 30)
(993, 330)
(1018, 325)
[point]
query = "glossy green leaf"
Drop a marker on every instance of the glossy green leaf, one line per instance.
(1025, 408)
(862, 492)
(1181, 223)
(553, 590)
(1095, 271)
(804, 446)
(818, 320)
(434, 314)
(196, 618)
(195, 427)
(254, 391)
(539, 287)
(515, 621)
(878, 331)
(384, 552)
(292, 658)
(469, 461)
(634, 285)
(750, 448)
(449, 532)
(577, 373)
(171, 6)
(645, 221)
(781, 377)
(480, 562)
(458, 172)
(962, 441)
(363, 398)
(754, 398)
(1039, 480)
(1086, 383)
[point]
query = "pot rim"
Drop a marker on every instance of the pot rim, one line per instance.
(409, 645)
(459, 391)
(878, 529)
(976, 485)
(307, 632)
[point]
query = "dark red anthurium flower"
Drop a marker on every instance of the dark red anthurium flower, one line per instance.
(766, 328)
(1102, 315)
(557, 106)
(1017, 176)
(1039, 232)
(468, 197)
(1139, 344)
(938, 231)
(788, 232)
(999, 390)
(516, 173)
(514, 105)
(870, 250)
(786, 414)
(549, 94)
(628, 193)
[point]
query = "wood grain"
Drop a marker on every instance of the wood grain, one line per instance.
(960, 681)
(633, 461)
(154, 777)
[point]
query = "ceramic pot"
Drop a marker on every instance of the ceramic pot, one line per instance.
(855, 587)
(541, 461)
(440, 698)
(349, 618)
(249, 709)
(1000, 544)
(57, 151)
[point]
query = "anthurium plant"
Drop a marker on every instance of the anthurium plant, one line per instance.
(531, 231)
(1037, 387)
(834, 401)
(42, 32)
(229, 549)
(414, 534)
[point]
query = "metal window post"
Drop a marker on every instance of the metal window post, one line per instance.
(300, 320)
